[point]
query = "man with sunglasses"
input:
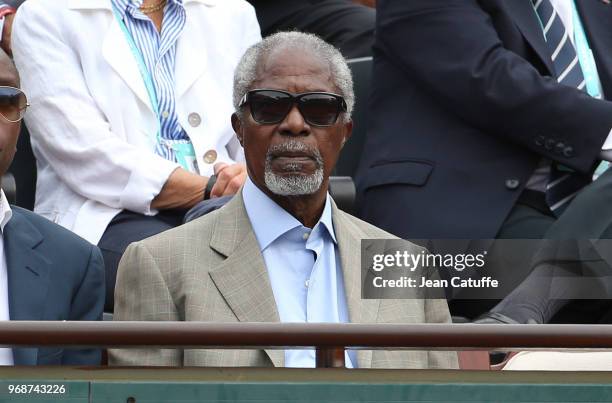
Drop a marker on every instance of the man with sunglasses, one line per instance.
(129, 104)
(46, 271)
(280, 250)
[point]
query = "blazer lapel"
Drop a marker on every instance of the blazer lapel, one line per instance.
(28, 277)
(242, 278)
(191, 55)
(526, 19)
(360, 310)
(116, 51)
(596, 18)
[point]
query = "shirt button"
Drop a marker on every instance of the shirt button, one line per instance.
(306, 283)
(210, 156)
(165, 114)
(513, 184)
(194, 119)
(306, 235)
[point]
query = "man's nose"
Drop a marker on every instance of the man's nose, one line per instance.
(294, 124)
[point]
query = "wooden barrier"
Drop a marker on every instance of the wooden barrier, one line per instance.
(330, 340)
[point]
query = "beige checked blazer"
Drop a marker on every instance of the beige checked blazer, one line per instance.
(211, 270)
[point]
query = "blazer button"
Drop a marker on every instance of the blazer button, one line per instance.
(568, 151)
(513, 184)
(210, 156)
(539, 141)
(550, 144)
(194, 119)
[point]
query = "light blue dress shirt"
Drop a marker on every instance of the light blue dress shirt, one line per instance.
(303, 265)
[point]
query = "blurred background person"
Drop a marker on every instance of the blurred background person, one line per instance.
(130, 105)
(488, 116)
(346, 24)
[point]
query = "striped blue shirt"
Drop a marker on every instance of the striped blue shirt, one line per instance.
(159, 54)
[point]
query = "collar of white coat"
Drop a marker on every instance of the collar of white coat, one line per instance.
(106, 4)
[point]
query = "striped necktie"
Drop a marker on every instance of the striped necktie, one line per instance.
(563, 184)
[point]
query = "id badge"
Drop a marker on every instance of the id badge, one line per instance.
(185, 155)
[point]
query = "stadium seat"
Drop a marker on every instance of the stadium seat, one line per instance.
(342, 190)
(23, 169)
(8, 185)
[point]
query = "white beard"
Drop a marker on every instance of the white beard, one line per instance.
(293, 185)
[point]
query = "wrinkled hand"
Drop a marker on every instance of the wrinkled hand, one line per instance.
(229, 179)
(5, 44)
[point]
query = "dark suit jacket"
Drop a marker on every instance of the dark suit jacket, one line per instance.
(344, 24)
(13, 3)
(464, 107)
(52, 275)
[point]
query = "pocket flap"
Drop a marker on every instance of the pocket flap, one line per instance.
(401, 172)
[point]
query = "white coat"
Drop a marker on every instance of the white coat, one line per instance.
(91, 123)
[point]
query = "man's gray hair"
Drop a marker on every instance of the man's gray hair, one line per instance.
(246, 71)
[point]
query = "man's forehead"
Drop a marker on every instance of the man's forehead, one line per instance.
(295, 66)
(8, 72)
(294, 61)
(8, 79)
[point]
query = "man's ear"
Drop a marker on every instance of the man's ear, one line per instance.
(237, 126)
(348, 131)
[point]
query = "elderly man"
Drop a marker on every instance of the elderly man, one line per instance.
(280, 250)
(46, 271)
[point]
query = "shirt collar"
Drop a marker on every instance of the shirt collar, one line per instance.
(5, 210)
(270, 221)
(105, 4)
(123, 5)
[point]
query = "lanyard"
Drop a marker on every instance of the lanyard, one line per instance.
(585, 56)
(183, 150)
(589, 69)
(587, 64)
(142, 67)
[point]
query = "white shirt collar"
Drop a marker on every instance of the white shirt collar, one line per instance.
(5, 210)
(270, 221)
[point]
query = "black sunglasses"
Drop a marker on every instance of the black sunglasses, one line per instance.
(13, 103)
(272, 106)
